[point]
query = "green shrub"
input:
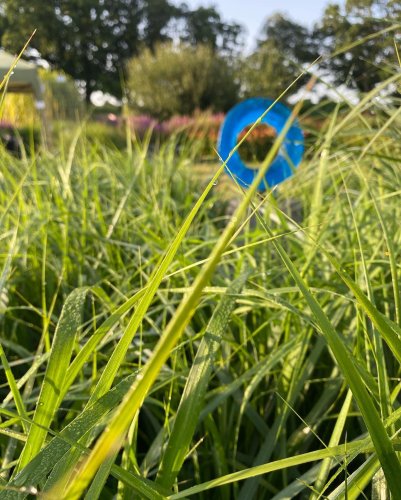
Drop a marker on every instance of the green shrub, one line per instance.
(180, 80)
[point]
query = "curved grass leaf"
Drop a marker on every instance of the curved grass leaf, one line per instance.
(339, 452)
(19, 403)
(36, 472)
(193, 396)
(59, 359)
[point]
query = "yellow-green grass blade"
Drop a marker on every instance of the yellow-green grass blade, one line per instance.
(38, 361)
(338, 452)
(14, 390)
(389, 330)
(365, 101)
(87, 350)
(192, 398)
(297, 375)
(393, 263)
(41, 465)
(6, 77)
(36, 472)
(19, 403)
(383, 384)
(227, 391)
(63, 342)
(334, 440)
(357, 481)
(391, 253)
(317, 198)
(109, 373)
(97, 485)
(144, 487)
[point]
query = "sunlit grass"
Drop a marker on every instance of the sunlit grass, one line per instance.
(157, 346)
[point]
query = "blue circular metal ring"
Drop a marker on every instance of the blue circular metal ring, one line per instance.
(289, 155)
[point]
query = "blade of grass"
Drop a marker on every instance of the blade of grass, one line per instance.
(357, 481)
(303, 366)
(19, 404)
(334, 452)
(226, 391)
(192, 399)
(59, 359)
(36, 472)
(87, 350)
(334, 440)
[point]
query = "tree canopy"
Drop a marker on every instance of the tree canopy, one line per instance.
(204, 26)
(283, 48)
(366, 64)
(87, 39)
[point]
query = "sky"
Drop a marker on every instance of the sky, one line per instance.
(252, 13)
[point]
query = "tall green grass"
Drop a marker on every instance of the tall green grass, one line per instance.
(155, 345)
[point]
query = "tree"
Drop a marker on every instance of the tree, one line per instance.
(265, 73)
(204, 26)
(292, 40)
(179, 80)
(283, 49)
(157, 15)
(89, 39)
(362, 66)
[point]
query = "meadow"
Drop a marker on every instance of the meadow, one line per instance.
(161, 339)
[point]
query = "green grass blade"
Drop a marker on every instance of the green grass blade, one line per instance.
(39, 360)
(227, 391)
(19, 403)
(87, 350)
(146, 488)
(192, 399)
(41, 465)
(389, 330)
(97, 485)
(109, 373)
(357, 481)
(393, 261)
(297, 374)
(53, 382)
(14, 390)
(333, 452)
(334, 440)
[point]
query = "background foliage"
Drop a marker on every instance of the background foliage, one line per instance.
(179, 80)
(94, 43)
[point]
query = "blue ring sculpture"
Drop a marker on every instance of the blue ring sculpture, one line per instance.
(288, 157)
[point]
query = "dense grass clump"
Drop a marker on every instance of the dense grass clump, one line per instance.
(156, 345)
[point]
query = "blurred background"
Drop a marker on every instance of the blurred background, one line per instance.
(178, 66)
